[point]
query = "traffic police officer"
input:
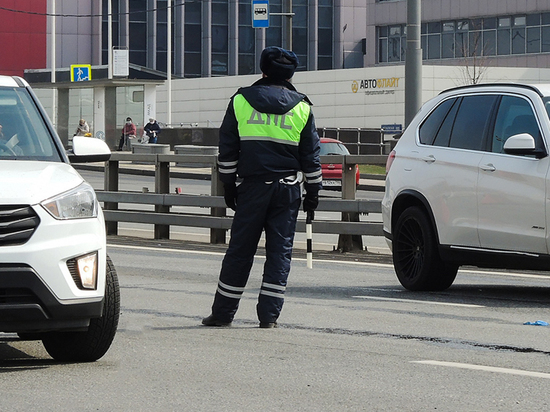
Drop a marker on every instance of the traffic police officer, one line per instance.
(268, 138)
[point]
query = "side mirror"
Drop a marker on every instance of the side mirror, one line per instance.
(88, 150)
(522, 144)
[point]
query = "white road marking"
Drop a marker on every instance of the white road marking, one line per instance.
(515, 275)
(427, 302)
(196, 252)
(485, 368)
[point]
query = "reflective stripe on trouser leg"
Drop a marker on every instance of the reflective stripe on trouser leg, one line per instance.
(248, 222)
(280, 226)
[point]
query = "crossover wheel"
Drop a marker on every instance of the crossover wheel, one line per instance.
(415, 256)
(92, 344)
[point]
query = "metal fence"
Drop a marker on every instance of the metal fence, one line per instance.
(163, 217)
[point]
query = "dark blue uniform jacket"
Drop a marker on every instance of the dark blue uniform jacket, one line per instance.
(266, 160)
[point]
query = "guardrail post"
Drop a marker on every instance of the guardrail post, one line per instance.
(110, 184)
(162, 186)
(216, 189)
(347, 243)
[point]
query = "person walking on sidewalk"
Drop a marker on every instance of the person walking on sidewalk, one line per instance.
(268, 138)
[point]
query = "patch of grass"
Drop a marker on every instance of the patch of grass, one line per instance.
(372, 169)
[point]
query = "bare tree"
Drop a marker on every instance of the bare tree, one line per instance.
(474, 57)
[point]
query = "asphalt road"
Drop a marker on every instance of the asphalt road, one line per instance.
(350, 339)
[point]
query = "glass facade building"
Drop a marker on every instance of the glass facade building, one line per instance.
(216, 37)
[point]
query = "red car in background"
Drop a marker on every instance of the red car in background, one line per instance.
(332, 172)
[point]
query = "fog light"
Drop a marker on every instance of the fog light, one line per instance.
(87, 270)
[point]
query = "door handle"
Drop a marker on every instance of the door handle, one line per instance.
(429, 159)
(489, 167)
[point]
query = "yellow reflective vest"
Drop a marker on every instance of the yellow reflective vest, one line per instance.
(278, 128)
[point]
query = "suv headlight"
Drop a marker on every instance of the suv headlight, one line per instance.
(78, 203)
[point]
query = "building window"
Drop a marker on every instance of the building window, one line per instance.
(220, 37)
(325, 41)
(489, 36)
(247, 40)
(518, 35)
(394, 43)
(192, 39)
(299, 32)
(434, 40)
(274, 31)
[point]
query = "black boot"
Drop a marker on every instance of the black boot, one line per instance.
(212, 321)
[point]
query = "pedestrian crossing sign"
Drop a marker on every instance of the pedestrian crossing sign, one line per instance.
(81, 72)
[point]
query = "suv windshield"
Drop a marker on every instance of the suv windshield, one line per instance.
(23, 133)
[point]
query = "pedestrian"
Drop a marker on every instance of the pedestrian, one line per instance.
(128, 132)
(267, 138)
(152, 130)
(83, 129)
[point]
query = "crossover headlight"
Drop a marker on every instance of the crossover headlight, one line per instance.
(78, 203)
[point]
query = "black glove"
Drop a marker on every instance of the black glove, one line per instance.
(230, 195)
(311, 201)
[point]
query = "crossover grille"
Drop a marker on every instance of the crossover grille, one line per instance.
(17, 224)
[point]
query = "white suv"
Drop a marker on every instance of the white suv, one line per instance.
(468, 184)
(57, 283)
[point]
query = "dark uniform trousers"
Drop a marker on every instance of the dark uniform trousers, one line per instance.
(273, 207)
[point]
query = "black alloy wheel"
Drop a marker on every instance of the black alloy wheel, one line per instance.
(415, 256)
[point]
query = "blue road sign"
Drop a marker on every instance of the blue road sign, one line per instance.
(392, 128)
(260, 13)
(81, 72)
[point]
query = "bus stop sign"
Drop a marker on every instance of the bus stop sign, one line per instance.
(260, 13)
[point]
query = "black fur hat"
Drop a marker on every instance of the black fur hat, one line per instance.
(278, 63)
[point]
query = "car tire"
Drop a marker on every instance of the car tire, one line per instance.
(415, 256)
(92, 344)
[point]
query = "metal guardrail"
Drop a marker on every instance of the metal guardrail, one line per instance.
(217, 220)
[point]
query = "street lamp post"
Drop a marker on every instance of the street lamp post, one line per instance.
(413, 62)
(110, 39)
(53, 67)
(169, 63)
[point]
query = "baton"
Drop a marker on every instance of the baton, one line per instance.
(309, 235)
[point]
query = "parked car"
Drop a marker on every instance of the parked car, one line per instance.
(332, 172)
(57, 283)
(467, 184)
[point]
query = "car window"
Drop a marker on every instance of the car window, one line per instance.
(431, 126)
(546, 101)
(23, 133)
(515, 116)
(333, 148)
(472, 122)
(444, 134)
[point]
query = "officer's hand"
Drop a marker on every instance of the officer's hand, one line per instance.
(230, 195)
(311, 201)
